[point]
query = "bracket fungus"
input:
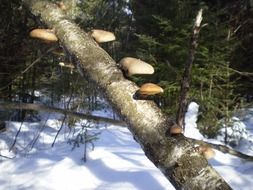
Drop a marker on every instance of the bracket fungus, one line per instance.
(46, 35)
(150, 89)
(101, 36)
(62, 6)
(133, 66)
(207, 151)
(175, 129)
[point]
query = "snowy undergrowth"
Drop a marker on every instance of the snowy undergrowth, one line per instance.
(237, 172)
(117, 162)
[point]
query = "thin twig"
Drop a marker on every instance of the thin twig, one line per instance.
(16, 136)
(26, 69)
(85, 146)
(65, 115)
(38, 134)
(7, 156)
(62, 123)
(247, 74)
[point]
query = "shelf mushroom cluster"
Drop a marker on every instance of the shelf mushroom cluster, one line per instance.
(132, 66)
(129, 65)
(49, 36)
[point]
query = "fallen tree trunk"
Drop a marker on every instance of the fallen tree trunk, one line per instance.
(39, 107)
(174, 155)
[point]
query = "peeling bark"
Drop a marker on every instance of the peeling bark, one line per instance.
(173, 155)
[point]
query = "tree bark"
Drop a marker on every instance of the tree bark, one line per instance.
(173, 155)
(185, 83)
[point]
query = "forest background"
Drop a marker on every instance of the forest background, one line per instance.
(157, 32)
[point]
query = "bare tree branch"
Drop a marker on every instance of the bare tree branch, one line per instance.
(27, 68)
(185, 83)
(40, 107)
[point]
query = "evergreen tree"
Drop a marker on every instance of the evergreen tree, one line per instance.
(163, 32)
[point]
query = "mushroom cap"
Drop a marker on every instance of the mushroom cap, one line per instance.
(150, 89)
(101, 36)
(207, 151)
(44, 34)
(136, 66)
(62, 64)
(62, 6)
(175, 129)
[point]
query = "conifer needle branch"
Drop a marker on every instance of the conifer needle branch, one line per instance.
(242, 73)
(185, 83)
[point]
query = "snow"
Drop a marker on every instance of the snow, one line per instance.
(117, 161)
(191, 118)
(237, 172)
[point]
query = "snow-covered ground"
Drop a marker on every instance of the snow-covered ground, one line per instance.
(117, 161)
(237, 172)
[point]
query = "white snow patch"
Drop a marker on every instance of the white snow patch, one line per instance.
(237, 172)
(191, 118)
(117, 162)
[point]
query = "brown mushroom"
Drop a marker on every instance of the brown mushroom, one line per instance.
(44, 34)
(101, 36)
(175, 129)
(134, 66)
(207, 151)
(62, 6)
(150, 89)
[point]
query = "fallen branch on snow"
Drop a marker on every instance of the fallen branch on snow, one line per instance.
(40, 107)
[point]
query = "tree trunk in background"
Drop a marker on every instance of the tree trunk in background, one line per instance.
(173, 155)
(39, 107)
(185, 83)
